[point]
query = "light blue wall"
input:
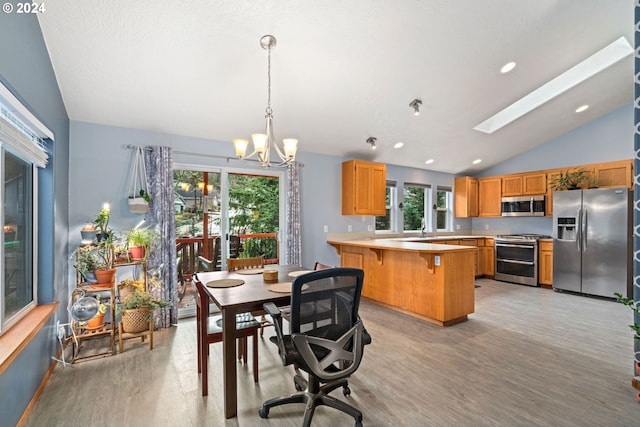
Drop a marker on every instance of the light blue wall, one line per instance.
(608, 138)
(26, 70)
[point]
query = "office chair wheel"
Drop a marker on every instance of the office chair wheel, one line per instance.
(346, 391)
(264, 412)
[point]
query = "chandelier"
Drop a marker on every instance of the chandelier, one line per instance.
(263, 142)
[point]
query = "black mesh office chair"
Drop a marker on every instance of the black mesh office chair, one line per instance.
(327, 339)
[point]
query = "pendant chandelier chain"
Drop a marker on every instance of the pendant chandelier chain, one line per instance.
(269, 111)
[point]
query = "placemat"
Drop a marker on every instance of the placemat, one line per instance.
(284, 287)
(299, 273)
(225, 283)
(250, 271)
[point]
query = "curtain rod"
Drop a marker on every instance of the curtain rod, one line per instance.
(191, 153)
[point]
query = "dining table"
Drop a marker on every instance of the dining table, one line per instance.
(248, 296)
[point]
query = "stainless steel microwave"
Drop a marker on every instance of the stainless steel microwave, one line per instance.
(523, 206)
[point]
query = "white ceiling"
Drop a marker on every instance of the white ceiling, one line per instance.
(342, 71)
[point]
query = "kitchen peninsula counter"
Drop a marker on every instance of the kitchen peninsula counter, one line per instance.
(431, 281)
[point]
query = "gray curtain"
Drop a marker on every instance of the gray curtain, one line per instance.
(161, 265)
(294, 237)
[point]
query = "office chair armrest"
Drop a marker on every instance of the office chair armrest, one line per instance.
(273, 311)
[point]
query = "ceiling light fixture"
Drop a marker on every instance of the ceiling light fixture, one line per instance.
(415, 104)
(581, 108)
(398, 145)
(507, 67)
(428, 162)
(476, 161)
(597, 62)
(263, 142)
(372, 141)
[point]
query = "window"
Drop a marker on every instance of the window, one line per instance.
(21, 153)
(415, 201)
(386, 222)
(444, 212)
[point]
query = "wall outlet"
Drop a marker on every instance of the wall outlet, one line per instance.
(486, 226)
(436, 260)
(457, 226)
(349, 227)
(326, 228)
(370, 227)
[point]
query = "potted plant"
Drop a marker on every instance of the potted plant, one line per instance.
(136, 309)
(569, 180)
(139, 203)
(88, 233)
(102, 222)
(140, 241)
(105, 273)
(635, 307)
(87, 263)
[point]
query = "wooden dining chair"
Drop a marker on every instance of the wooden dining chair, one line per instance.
(246, 325)
(234, 264)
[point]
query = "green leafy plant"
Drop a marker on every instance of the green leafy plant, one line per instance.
(146, 237)
(87, 260)
(140, 299)
(102, 220)
(636, 309)
(569, 179)
(143, 193)
(105, 251)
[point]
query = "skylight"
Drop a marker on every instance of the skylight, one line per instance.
(597, 62)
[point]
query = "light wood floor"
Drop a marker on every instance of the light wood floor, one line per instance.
(527, 357)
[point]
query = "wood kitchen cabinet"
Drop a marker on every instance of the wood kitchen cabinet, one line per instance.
(489, 196)
(528, 184)
(465, 197)
(545, 263)
(363, 188)
(614, 174)
(487, 258)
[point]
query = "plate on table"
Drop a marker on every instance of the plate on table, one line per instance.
(299, 273)
(249, 271)
(284, 287)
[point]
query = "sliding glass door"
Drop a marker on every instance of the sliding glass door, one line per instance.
(221, 214)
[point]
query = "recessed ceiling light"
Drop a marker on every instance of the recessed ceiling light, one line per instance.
(581, 108)
(398, 145)
(476, 161)
(597, 62)
(507, 67)
(428, 162)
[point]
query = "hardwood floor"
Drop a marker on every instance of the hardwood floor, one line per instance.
(526, 357)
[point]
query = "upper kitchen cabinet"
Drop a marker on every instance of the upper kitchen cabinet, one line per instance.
(363, 188)
(489, 196)
(465, 197)
(528, 184)
(614, 174)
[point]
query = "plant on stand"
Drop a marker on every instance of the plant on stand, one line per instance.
(140, 241)
(105, 273)
(635, 307)
(97, 321)
(87, 263)
(102, 223)
(137, 309)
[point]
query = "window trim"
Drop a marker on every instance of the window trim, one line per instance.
(448, 210)
(392, 206)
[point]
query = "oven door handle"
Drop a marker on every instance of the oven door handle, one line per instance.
(513, 261)
(506, 245)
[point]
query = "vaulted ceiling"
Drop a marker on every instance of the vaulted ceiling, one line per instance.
(342, 71)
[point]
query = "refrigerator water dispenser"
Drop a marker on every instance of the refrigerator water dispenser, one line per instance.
(567, 228)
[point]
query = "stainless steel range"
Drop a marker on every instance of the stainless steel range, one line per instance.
(517, 258)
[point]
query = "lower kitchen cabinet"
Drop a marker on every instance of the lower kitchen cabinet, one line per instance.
(487, 258)
(545, 263)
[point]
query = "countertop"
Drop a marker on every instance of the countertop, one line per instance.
(404, 244)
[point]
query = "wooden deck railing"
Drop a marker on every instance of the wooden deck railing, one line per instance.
(190, 248)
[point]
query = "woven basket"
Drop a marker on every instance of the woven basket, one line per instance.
(136, 320)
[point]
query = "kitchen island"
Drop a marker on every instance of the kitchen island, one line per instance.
(431, 281)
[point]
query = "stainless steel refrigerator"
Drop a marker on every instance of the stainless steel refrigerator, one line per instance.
(592, 241)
